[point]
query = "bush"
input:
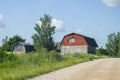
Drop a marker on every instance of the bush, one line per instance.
(102, 51)
(5, 57)
(2, 55)
(11, 57)
(54, 56)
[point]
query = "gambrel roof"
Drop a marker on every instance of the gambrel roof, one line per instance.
(89, 41)
(28, 47)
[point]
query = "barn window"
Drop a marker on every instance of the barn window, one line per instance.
(72, 40)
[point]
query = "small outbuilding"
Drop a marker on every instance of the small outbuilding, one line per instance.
(77, 43)
(22, 48)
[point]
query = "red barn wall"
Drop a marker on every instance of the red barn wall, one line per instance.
(79, 40)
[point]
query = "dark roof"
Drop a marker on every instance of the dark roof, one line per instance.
(23, 43)
(28, 46)
(90, 41)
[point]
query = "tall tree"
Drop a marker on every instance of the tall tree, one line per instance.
(118, 35)
(43, 38)
(8, 43)
(113, 44)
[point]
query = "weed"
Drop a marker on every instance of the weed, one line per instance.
(36, 63)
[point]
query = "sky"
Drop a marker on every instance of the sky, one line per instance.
(92, 18)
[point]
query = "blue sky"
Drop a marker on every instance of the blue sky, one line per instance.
(93, 18)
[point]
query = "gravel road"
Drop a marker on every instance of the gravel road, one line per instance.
(101, 69)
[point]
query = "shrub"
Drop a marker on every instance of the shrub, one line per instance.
(11, 57)
(102, 51)
(5, 57)
(2, 55)
(54, 56)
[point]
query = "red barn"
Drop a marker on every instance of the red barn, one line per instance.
(77, 43)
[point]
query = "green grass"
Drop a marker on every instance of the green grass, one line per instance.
(33, 64)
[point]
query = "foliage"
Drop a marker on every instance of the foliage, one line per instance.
(113, 44)
(44, 36)
(32, 64)
(54, 56)
(118, 53)
(5, 57)
(101, 51)
(8, 43)
(2, 55)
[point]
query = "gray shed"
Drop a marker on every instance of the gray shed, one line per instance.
(21, 47)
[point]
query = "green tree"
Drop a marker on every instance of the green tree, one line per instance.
(118, 53)
(4, 57)
(44, 36)
(101, 51)
(113, 44)
(7, 45)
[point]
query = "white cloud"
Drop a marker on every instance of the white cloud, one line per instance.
(58, 24)
(54, 22)
(112, 3)
(78, 30)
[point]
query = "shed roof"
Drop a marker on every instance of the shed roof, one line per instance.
(22, 43)
(28, 46)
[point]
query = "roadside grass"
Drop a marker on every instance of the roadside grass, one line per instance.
(33, 64)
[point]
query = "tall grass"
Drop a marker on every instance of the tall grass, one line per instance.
(32, 64)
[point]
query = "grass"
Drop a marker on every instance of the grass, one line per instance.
(33, 64)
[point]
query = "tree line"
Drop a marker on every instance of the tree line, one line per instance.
(112, 46)
(43, 38)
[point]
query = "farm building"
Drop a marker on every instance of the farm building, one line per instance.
(21, 47)
(77, 43)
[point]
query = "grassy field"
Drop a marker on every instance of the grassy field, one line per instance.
(33, 64)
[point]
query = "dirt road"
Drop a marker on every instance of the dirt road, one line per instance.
(101, 69)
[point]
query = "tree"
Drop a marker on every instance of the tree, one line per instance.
(118, 53)
(44, 36)
(101, 51)
(7, 45)
(113, 44)
(4, 57)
